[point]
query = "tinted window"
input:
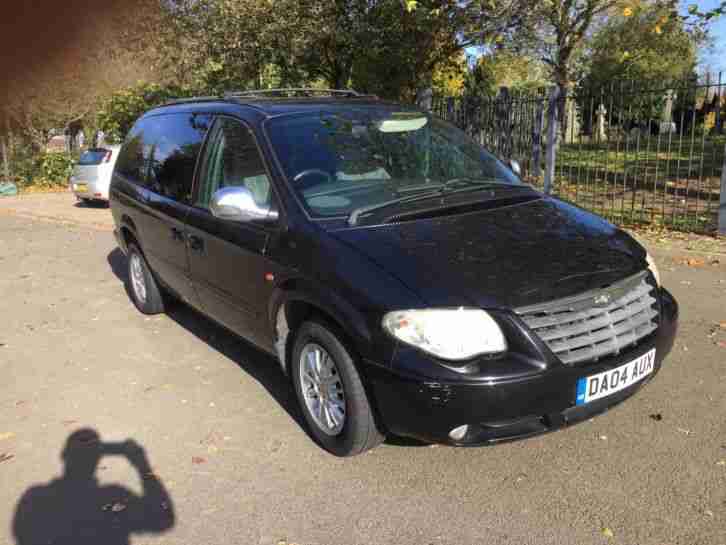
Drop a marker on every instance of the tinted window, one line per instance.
(131, 163)
(233, 160)
(93, 157)
(161, 153)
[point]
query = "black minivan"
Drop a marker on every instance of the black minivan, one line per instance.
(406, 279)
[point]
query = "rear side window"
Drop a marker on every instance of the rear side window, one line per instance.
(161, 153)
(94, 157)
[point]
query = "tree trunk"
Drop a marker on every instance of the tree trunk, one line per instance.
(6, 161)
(5, 141)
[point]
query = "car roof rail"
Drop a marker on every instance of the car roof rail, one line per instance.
(292, 92)
(183, 100)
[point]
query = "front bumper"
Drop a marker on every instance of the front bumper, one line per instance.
(508, 409)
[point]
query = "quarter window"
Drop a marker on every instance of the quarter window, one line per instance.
(161, 153)
(233, 160)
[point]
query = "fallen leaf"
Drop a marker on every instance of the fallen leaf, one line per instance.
(198, 460)
(4, 457)
(211, 449)
(6, 435)
(685, 431)
(607, 532)
(722, 344)
(722, 325)
(604, 437)
(68, 422)
(118, 507)
(721, 463)
(656, 416)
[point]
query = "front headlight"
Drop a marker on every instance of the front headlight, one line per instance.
(450, 334)
(653, 268)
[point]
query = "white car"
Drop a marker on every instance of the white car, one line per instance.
(91, 176)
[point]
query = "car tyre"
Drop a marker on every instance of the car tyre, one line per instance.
(353, 432)
(142, 286)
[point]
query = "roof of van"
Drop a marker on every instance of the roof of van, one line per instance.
(272, 106)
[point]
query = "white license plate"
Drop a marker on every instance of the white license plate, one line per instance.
(611, 381)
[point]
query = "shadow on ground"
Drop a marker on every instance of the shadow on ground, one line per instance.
(91, 204)
(74, 509)
(260, 365)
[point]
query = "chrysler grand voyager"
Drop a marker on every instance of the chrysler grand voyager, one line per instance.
(407, 281)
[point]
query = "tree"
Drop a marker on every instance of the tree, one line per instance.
(67, 75)
(647, 45)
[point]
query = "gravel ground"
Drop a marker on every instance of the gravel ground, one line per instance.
(232, 464)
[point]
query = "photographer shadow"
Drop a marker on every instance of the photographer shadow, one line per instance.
(74, 509)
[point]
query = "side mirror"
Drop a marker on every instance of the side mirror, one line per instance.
(237, 204)
(516, 168)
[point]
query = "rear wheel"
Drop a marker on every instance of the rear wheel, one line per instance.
(331, 393)
(142, 286)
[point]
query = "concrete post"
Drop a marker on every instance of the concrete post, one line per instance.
(553, 126)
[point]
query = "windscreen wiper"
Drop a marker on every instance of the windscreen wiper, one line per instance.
(358, 212)
(446, 188)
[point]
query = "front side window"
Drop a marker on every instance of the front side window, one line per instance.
(233, 160)
(338, 162)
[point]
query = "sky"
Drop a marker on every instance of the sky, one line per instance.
(715, 59)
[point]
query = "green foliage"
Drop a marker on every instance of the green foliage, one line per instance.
(648, 46)
(44, 170)
(503, 68)
(631, 54)
(118, 114)
(55, 167)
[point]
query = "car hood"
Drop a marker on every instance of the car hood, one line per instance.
(504, 257)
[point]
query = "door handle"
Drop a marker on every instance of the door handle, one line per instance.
(196, 243)
(177, 234)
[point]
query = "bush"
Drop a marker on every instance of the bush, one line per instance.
(45, 170)
(56, 167)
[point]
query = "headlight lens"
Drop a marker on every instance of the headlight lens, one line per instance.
(653, 268)
(450, 334)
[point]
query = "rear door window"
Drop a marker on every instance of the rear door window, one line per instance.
(161, 153)
(93, 157)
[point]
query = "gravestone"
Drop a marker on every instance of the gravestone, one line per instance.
(600, 132)
(572, 122)
(667, 126)
(425, 98)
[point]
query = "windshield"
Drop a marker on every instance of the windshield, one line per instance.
(340, 162)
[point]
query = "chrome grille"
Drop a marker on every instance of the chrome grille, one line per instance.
(586, 327)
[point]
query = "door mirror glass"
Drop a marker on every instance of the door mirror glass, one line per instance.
(238, 204)
(516, 168)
